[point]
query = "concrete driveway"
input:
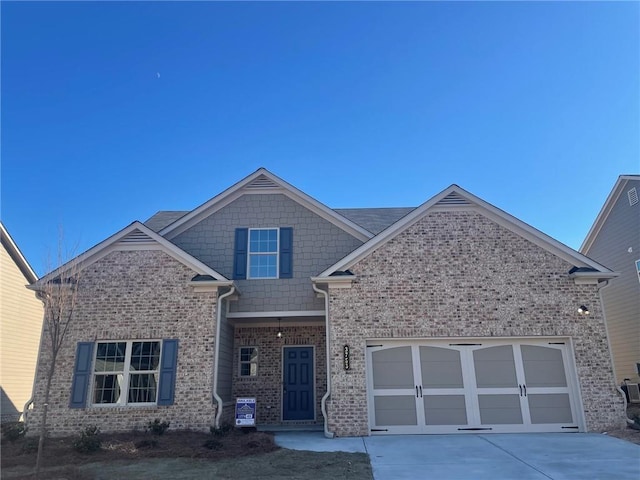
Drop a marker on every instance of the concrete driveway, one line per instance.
(542, 456)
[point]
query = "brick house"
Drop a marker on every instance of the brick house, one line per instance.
(451, 317)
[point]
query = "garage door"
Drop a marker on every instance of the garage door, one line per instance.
(475, 385)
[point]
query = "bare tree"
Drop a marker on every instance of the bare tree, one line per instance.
(59, 294)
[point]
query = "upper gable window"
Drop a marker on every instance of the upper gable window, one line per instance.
(263, 253)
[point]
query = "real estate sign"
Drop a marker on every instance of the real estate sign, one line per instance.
(245, 412)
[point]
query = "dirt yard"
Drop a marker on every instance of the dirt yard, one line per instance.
(180, 455)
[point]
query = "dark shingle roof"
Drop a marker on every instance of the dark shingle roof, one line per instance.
(374, 219)
(163, 218)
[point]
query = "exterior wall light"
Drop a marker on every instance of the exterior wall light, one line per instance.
(582, 310)
(279, 334)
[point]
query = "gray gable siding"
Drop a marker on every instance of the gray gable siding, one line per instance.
(317, 244)
(619, 233)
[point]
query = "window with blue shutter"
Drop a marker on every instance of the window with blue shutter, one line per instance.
(168, 369)
(81, 375)
(286, 252)
(262, 253)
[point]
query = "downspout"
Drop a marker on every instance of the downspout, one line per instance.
(602, 286)
(217, 398)
(323, 403)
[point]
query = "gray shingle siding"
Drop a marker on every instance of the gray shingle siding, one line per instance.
(317, 244)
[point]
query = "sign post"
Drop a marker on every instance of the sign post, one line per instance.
(245, 412)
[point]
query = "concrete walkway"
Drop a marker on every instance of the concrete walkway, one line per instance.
(541, 456)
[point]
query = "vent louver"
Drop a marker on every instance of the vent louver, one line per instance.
(262, 182)
(633, 196)
(454, 199)
(136, 237)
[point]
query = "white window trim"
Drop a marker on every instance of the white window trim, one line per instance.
(277, 253)
(241, 362)
(123, 377)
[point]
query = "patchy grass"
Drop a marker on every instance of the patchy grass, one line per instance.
(178, 455)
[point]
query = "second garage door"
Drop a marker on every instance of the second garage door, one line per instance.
(471, 385)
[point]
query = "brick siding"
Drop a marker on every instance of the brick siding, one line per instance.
(267, 385)
(136, 295)
(457, 273)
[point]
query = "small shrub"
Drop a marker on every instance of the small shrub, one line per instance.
(146, 443)
(253, 444)
(88, 441)
(158, 428)
(213, 444)
(220, 431)
(13, 431)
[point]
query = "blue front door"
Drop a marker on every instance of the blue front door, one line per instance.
(298, 398)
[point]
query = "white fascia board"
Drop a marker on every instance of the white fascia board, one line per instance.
(539, 238)
(337, 281)
(111, 244)
(484, 208)
(582, 278)
(229, 195)
(17, 256)
(609, 203)
(209, 285)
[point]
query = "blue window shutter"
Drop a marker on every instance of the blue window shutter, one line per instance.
(168, 368)
(240, 254)
(286, 252)
(81, 375)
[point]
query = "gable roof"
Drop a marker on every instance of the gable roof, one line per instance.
(164, 218)
(374, 220)
(260, 182)
(616, 192)
(136, 236)
(16, 255)
(455, 197)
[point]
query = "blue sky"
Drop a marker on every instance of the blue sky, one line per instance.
(113, 111)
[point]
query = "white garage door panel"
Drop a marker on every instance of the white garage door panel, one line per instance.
(500, 386)
(445, 410)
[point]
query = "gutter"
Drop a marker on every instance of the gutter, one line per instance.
(217, 398)
(602, 286)
(323, 403)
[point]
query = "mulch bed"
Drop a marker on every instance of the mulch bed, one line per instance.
(137, 445)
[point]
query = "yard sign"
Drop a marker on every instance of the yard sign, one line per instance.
(245, 412)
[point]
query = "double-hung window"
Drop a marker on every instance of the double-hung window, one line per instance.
(126, 372)
(263, 253)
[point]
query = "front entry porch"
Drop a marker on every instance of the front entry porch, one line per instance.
(285, 374)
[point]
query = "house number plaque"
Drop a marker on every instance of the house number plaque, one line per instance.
(346, 360)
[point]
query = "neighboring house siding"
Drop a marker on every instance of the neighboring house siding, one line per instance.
(459, 274)
(317, 244)
(617, 246)
(137, 295)
(21, 316)
(266, 387)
